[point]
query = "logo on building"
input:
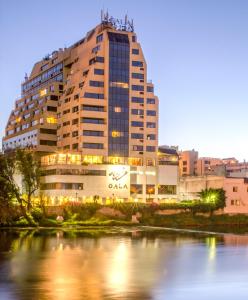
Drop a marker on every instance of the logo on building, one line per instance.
(118, 178)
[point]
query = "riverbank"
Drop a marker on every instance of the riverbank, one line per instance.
(215, 223)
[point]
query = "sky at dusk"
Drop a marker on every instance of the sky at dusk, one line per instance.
(196, 52)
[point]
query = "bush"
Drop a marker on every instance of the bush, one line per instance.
(22, 222)
(48, 222)
(37, 214)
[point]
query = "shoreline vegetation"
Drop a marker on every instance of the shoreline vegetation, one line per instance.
(25, 206)
(174, 216)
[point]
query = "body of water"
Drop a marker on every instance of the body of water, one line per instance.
(121, 263)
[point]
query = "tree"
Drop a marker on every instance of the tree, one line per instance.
(29, 167)
(9, 190)
(216, 197)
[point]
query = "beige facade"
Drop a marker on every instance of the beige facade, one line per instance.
(93, 98)
(187, 162)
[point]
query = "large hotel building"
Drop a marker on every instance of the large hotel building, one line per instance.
(92, 115)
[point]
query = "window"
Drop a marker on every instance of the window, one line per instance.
(150, 100)
(150, 89)
(51, 120)
(75, 109)
(93, 145)
(235, 189)
(137, 148)
(184, 162)
(100, 59)
(74, 133)
(137, 100)
(76, 96)
(67, 100)
(33, 123)
(48, 143)
(74, 121)
(136, 63)
(137, 124)
(96, 83)
(137, 111)
(150, 189)
(133, 38)
(135, 51)
(138, 88)
(65, 135)
(139, 136)
(93, 133)
(92, 61)
(48, 131)
(185, 169)
(151, 137)
(75, 146)
(167, 189)
(117, 109)
(51, 108)
(92, 107)
(150, 148)
(54, 98)
(96, 49)
(99, 38)
(151, 125)
(98, 71)
(136, 188)
(66, 111)
(92, 120)
(66, 123)
(94, 95)
(69, 91)
(137, 76)
(151, 113)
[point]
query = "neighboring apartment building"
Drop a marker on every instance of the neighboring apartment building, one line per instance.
(187, 162)
(91, 113)
(236, 190)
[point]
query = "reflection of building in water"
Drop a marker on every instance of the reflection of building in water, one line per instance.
(84, 268)
(235, 240)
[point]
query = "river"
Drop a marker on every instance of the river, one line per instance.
(122, 263)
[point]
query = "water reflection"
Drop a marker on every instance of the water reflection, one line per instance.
(93, 264)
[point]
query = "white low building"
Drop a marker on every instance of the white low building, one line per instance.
(68, 177)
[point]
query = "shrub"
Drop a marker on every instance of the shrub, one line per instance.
(37, 214)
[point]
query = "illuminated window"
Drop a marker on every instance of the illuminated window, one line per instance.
(150, 189)
(123, 85)
(117, 109)
(51, 120)
(117, 134)
(43, 92)
(115, 160)
(87, 159)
